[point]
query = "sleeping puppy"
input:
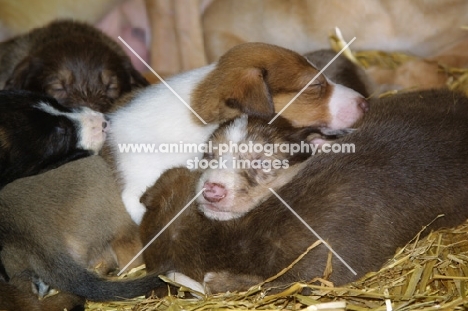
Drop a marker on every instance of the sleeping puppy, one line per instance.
(249, 156)
(67, 224)
(70, 61)
(234, 180)
(302, 25)
(253, 78)
(37, 134)
(409, 166)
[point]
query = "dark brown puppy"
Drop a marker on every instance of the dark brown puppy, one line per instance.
(71, 61)
(235, 180)
(57, 226)
(409, 166)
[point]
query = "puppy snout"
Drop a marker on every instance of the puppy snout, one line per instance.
(214, 192)
(363, 104)
(93, 129)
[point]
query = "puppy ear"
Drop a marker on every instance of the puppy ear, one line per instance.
(250, 94)
(23, 75)
(168, 185)
(136, 79)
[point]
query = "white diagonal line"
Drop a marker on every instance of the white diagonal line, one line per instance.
(311, 81)
(162, 80)
(160, 232)
(312, 230)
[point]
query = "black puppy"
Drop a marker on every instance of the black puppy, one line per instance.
(70, 61)
(37, 134)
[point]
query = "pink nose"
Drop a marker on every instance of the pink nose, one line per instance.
(214, 192)
(363, 104)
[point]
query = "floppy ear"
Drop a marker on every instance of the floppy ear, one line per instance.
(249, 93)
(162, 192)
(23, 75)
(136, 79)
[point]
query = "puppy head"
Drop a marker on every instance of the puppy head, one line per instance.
(93, 77)
(249, 156)
(37, 133)
(261, 79)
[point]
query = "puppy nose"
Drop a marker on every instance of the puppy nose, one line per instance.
(214, 192)
(363, 104)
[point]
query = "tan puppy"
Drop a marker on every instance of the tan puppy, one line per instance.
(305, 25)
(64, 222)
(377, 25)
(19, 16)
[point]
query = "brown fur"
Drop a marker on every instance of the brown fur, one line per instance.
(71, 213)
(14, 299)
(84, 192)
(71, 61)
(410, 166)
(306, 25)
(250, 188)
(244, 182)
(262, 79)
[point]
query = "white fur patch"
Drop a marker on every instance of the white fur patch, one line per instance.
(344, 107)
(91, 135)
(156, 116)
(237, 131)
(186, 281)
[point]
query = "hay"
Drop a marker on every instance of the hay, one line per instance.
(428, 274)
(457, 78)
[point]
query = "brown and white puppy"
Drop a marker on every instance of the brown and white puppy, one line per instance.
(254, 78)
(66, 222)
(70, 61)
(37, 134)
(409, 167)
(247, 157)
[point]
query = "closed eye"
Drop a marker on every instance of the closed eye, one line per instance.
(56, 87)
(113, 87)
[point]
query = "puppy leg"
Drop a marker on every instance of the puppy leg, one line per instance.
(126, 246)
(223, 281)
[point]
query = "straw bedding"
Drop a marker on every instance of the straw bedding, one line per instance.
(427, 274)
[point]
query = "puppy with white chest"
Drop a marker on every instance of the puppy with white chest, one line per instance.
(253, 78)
(37, 134)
